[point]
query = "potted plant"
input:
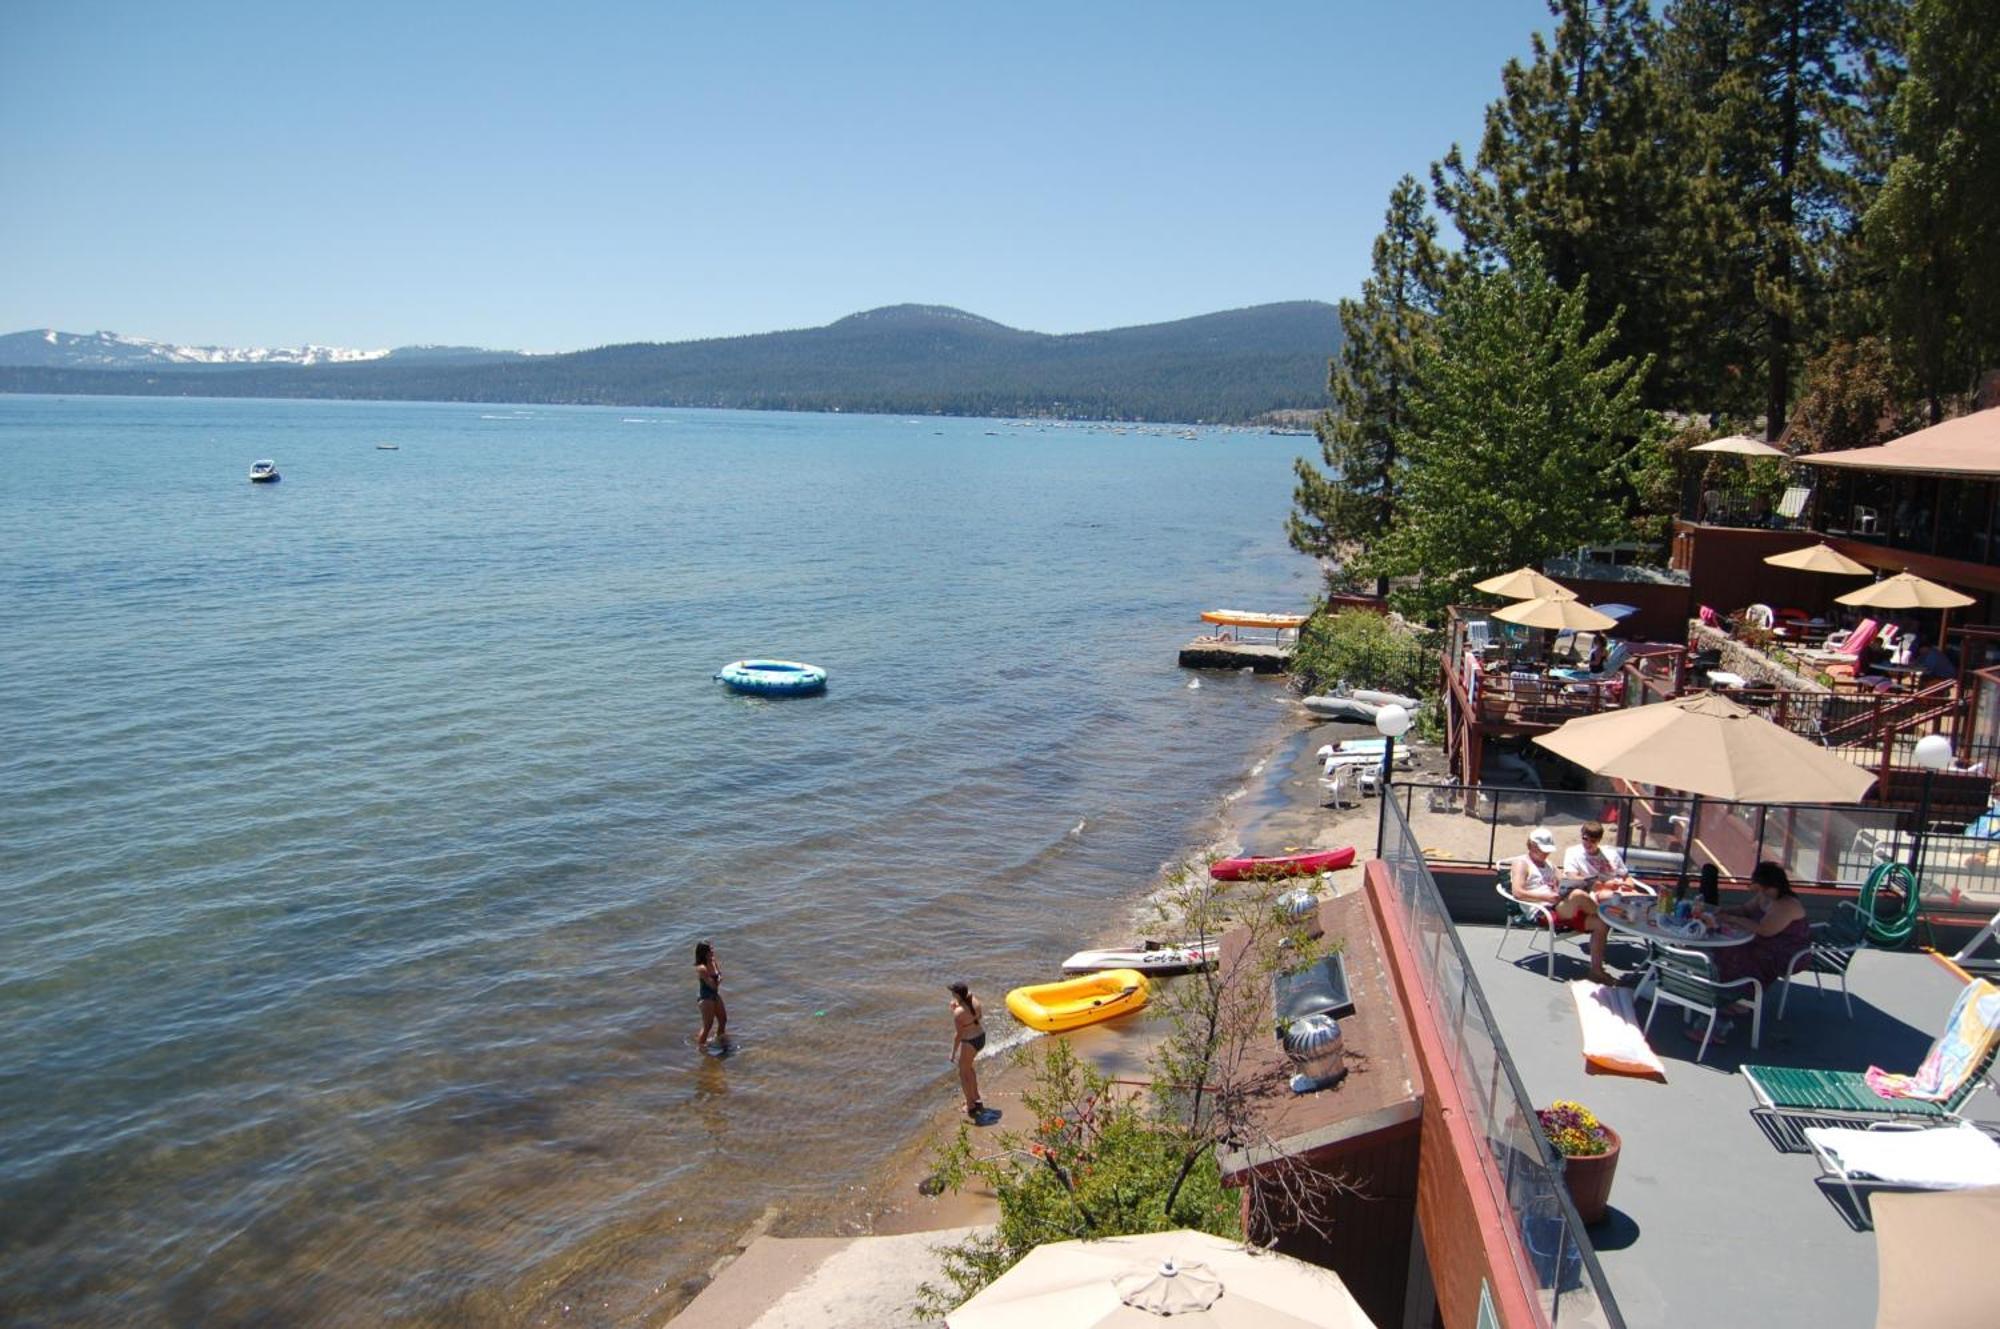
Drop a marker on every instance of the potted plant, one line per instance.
(1590, 1154)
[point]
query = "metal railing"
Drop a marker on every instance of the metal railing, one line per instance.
(1526, 1176)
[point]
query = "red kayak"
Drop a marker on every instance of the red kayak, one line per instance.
(1283, 865)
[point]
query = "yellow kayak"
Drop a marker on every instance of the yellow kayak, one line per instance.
(1075, 1002)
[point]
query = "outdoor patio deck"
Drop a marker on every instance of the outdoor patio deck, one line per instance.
(1710, 1223)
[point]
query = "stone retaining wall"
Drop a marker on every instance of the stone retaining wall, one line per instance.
(1755, 666)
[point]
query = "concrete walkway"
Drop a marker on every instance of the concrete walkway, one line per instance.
(822, 1283)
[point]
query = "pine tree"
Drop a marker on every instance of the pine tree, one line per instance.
(1517, 417)
(1933, 232)
(1338, 514)
(1575, 157)
(1766, 96)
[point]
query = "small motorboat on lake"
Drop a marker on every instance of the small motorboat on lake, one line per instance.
(263, 472)
(1282, 865)
(1076, 1002)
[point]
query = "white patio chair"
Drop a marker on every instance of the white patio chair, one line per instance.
(1687, 979)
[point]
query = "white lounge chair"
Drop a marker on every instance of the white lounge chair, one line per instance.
(1894, 1156)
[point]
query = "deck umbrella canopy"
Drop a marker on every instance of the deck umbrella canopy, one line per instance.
(1567, 615)
(1708, 746)
(1524, 584)
(1741, 445)
(1821, 557)
(1906, 590)
(1202, 1281)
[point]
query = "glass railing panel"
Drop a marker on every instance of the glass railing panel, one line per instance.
(1525, 1176)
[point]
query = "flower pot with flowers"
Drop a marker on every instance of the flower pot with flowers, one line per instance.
(1589, 1150)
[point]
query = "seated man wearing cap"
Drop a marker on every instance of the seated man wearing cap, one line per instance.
(1536, 878)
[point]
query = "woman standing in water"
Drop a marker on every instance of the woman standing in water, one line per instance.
(968, 1036)
(708, 974)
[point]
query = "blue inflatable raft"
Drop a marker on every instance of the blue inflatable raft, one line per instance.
(773, 678)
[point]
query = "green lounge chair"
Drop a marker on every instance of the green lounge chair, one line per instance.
(1791, 1098)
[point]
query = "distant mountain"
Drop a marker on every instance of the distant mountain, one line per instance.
(45, 348)
(905, 359)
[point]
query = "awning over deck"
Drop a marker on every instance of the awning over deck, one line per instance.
(1968, 446)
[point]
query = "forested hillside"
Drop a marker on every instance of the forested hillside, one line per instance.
(909, 359)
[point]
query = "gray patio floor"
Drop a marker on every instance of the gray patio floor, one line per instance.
(1710, 1222)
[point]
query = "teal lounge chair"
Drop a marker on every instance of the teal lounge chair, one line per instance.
(1790, 1098)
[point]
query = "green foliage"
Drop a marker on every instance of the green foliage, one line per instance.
(1577, 157)
(1933, 232)
(1363, 648)
(1094, 1164)
(1519, 422)
(1852, 398)
(1766, 103)
(1337, 514)
(1099, 1160)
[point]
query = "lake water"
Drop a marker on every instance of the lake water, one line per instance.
(355, 831)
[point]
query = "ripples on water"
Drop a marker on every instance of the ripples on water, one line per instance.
(355, 831)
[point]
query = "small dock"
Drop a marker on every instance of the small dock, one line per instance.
(1215, 653)
(1231, 645)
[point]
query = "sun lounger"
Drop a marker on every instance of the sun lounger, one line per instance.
(1791, 1098)
(1912, 1158)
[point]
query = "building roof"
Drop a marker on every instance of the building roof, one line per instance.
(1381, 1090)
(1968, 446)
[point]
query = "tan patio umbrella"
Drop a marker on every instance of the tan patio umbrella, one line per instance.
(1741, 445)
(1932, 1249)
(1906, 590)
(1525, 584)
(1202, 1281)
(1563, 615)
(1821, 557)
(1710, 747)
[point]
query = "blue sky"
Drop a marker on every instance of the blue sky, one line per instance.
(552, 176)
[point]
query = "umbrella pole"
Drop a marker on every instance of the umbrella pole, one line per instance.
(1687, 849)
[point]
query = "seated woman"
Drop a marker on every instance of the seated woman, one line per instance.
(1536, 878)
(1778, 918)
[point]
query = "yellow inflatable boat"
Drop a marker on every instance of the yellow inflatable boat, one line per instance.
(1075, 1002)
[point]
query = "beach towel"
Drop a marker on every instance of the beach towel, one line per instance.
(1968, 1035)
(1613, 1042)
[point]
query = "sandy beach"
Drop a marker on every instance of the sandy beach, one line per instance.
(1281, 807)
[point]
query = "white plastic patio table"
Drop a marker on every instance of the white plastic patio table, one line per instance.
(1632, 914)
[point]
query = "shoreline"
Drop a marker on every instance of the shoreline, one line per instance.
(1279, 807)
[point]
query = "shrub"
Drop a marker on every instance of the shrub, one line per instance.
(1366, 649)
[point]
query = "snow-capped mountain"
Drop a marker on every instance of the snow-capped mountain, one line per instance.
(45, 348)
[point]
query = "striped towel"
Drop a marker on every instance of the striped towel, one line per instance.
(1968, 1035)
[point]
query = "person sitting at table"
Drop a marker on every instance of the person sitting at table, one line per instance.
(1932, 661)
(1777, 917)
(1598, 865)
(1536, 878)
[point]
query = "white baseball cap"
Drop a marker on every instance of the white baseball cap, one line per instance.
(1541, 838)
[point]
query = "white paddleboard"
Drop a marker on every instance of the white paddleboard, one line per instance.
(1158, 960)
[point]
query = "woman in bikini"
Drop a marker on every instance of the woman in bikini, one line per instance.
(968, 1036)
(714, 1015)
